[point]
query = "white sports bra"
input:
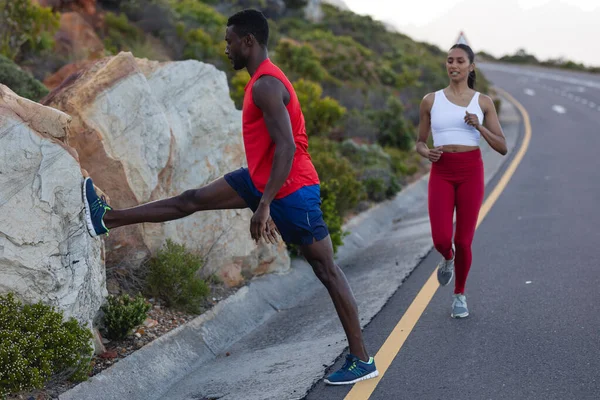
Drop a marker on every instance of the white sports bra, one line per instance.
(448, 121)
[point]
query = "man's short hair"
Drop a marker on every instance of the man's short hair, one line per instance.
(250, 22)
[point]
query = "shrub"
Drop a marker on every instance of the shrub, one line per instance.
(122, 314)
(26, 23)
(172, 278)
(321, 115)
(238, 85)
(299, 61)
(381, 171)
(196, 14)
(36, 345)
(201, 28)
(198, 45)
(357, 124)
(404, 163)
(394, 130)
(365, 155)
(119, 33)
(331, 165)
(376, 188)
(331, 214)
(343, 57)
(19, 81)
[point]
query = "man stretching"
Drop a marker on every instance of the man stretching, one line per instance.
(280, 185)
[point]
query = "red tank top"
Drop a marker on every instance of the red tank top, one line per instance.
(259, 147)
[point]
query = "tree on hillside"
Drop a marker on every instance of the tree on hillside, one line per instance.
(25, 23)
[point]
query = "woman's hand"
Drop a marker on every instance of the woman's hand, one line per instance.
(434, 154)
(472, 120)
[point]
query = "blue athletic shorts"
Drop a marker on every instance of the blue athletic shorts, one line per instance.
(298, 216)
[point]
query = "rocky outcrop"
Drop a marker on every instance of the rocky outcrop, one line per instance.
(147, 130)
(54, 80)
(45, 252)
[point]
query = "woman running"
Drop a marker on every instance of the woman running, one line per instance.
(458, 116)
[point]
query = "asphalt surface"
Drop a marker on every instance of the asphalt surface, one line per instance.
(533, 290)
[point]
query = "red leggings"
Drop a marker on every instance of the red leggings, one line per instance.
(456, 180)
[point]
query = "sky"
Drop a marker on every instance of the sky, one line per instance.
(545, 28)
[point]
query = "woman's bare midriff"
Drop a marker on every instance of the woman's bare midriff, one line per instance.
(458, 148)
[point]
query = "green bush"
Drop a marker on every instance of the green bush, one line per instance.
(376, 188)
(198, 45)
(321, 115)
(119, 33)
(201, 29)
(343, 57)
(19, 81)
(394, 129)
(122, 314)
(404, 163)
(374, 168)
(331, 165)
(195, 14)
(25, 23)
(299, 61)
(237, 87)
(36, 345)
(331, 214)
(172, 278)
(364, 155)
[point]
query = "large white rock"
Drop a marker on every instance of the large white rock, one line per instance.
(45, 252)
(146, 131)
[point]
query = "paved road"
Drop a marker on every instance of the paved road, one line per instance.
(534, 288)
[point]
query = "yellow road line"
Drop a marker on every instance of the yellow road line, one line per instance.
(395, 341)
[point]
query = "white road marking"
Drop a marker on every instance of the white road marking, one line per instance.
(529, 92)
(559, 109)
(592, 105)
(584, 101)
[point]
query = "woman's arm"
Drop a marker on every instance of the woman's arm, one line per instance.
(424, 128)
(491, 129)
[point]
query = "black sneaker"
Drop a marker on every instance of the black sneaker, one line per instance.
(354, 370)
(95, 208)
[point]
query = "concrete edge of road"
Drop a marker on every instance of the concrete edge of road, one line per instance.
(149, 371)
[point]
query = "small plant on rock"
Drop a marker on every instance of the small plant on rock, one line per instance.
(172, 278)
(122, 314)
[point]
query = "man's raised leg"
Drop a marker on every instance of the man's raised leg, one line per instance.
(359, 365)
(100, 217)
